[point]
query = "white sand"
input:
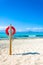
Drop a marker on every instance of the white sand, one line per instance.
(20, 46)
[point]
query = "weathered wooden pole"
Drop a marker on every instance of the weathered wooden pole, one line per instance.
(10, 33)
(10, 36)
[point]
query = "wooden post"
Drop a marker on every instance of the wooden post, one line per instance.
(10, 36)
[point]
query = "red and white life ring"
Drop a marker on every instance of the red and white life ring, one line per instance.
(7, 30)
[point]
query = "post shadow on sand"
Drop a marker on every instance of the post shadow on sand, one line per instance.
(32, 53)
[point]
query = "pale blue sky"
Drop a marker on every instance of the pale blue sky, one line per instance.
(22, 14)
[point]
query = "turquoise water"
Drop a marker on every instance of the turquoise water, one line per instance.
(29, 34)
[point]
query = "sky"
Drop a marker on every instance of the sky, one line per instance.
(22, 14)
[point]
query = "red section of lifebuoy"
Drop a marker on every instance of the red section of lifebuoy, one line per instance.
(13, 32)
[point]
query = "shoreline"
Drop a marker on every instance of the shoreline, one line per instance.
(23, 38)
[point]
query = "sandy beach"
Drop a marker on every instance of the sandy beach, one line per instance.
(24, 52)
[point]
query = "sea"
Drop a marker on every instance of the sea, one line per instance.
(25, 34)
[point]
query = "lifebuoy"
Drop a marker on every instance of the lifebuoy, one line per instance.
(13, 32)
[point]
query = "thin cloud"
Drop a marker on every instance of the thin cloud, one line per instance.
(35, 29)
(21, 30)
(3, 27)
